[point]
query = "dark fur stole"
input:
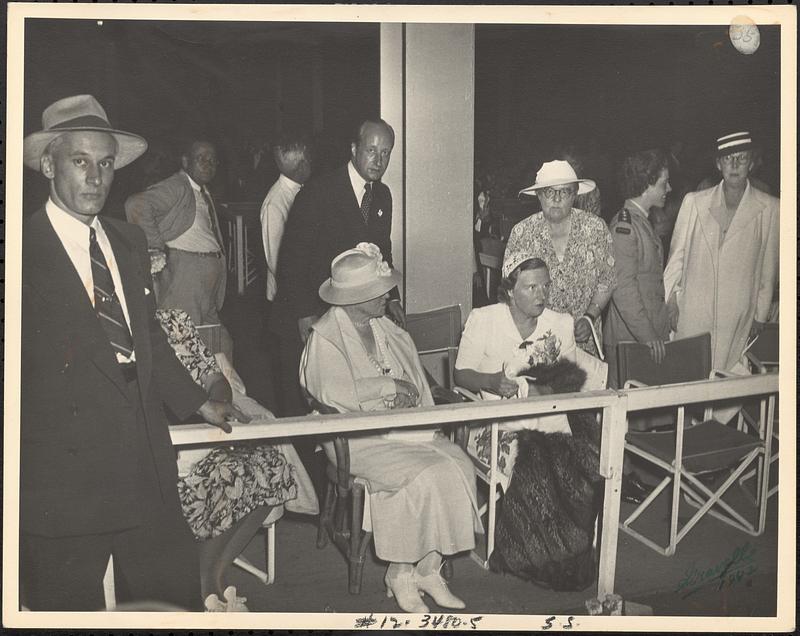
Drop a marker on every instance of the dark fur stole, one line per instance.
(562, 376)
(546, 521)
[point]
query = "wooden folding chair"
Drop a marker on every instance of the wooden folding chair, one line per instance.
(687, 453)
(490, 270)
(435, 334)
(341, 518)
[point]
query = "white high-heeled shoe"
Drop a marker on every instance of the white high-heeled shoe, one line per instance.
(405, 592)
(435, 585)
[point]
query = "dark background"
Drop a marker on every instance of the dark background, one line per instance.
(616, 90)
(612, 89)
(238, 83)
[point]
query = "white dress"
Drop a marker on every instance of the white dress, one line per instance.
(491, 343)
(421, 486)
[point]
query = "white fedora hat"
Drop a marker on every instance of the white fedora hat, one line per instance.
(556, 173)
(358, 275)
(79, 112)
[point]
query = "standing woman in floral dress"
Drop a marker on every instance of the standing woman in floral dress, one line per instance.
(576, 246)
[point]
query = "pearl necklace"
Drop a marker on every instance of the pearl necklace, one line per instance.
(380, 364)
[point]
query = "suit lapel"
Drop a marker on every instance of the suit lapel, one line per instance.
(50, 272)
(133, 283)
(709, 225)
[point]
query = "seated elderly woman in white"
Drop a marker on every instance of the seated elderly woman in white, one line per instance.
(421, 486)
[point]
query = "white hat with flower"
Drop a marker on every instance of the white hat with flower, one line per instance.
(358, 275)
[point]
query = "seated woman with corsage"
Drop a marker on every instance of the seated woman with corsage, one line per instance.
(547, 464)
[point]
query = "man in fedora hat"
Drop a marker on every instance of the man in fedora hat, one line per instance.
(98, 472)
(723, 261)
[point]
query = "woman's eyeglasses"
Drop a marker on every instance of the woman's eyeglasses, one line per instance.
(741, 158)
(553, 194)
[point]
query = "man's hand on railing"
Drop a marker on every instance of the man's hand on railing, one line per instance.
(220, 414)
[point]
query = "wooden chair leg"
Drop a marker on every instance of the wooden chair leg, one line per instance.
(357, 570)
(447, 568)
(325, 516)
(357, 549)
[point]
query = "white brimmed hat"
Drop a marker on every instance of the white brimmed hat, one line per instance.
(358, 275)
(76, 113)
(556, 173)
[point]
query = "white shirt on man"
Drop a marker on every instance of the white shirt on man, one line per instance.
(74, 236)
(357, 181)
(274, 212)
(200, 237)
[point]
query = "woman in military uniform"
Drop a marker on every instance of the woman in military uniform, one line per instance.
(637, 310)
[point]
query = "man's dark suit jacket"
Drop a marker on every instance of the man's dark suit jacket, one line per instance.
(78, 431)
(325, 220)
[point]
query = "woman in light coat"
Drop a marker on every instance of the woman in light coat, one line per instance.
(421, 486)
(723, 259)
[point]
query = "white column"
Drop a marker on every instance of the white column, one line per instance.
(392, 87)
(431, 173)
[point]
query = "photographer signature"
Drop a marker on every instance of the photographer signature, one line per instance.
(735, 568)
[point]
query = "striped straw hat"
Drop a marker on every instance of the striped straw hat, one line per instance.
(734, 142)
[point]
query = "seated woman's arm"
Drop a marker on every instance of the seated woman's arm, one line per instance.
(326, 374)
(471, 352)
(493, 382)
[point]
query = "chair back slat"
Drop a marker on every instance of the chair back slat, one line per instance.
(436, 333)
(686, 360)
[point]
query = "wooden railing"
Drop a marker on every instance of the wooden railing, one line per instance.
(614, 406)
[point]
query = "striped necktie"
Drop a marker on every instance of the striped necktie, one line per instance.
(366, 200)
(106, 301)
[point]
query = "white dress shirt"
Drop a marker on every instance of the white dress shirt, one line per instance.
(274, 212)
(200, 237)
(357, 181)
(74, 236)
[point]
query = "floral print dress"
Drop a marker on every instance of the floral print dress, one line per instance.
(587, 266)
(227, 483)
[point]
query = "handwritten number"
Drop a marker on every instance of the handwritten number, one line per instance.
(426, 619)
(474, 621)
(569, 622)
(548, 622)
